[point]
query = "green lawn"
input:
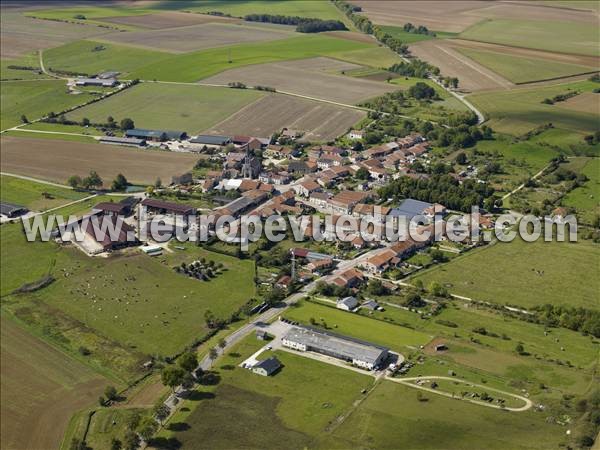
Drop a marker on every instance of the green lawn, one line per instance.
(554, 36)
(29, 194)
(379, 332)
(61, 128)
(586, 199)
(169, 106)
(194, 66)
(393, 417)
(520, 69)
(92, 57)
(520, 110)
(34, 99)
(59, 137)
(509, 273)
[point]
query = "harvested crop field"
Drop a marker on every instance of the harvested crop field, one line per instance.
(197, 37)
(436, 15)
(586, 102)
(314, 77)
(320, 121)
(21, 35)
(456, 16)
(472, 76)
(41, 388)
(56, 160)
(167, 19)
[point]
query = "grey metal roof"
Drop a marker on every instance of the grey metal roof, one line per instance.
(350, 302)
(270, 365)
(10, 208)
(410, 208)
(211, 140)
(328, 342)
(141, 132)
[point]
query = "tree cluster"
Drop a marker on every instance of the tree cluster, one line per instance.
(442, 189)
(415, 68)
(303, 24)
(422, 91)
(577, 319)
(92, 181)
(421, 29)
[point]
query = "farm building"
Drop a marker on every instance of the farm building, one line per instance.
(209, 140)
(156, 135)
(101, 82)
(267, 367)
(112, 208)
(162, 207)
(12, 210)
(359, 353)
(410, 208)
(347, 303)
(116, 140)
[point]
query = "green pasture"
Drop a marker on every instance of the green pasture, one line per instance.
(520, 69)
(554, 36)
(35, 99)
(93, 57)
(194, 66)
(523, 274)
(169, 106)
(30, 194)
(520, 110)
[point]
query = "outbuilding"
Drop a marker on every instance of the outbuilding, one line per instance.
(267, 367)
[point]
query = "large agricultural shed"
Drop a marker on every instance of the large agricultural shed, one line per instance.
(360, 353)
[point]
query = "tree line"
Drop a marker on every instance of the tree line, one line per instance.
(303, 24)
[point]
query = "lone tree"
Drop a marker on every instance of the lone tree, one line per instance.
(127, 124)
(24, 118)
(111, 393)
(120, 183)
(520, 349)
(147, 428)
(85, 121)
(161, 412)
(131, 441)
(188, 361)
(172, 376)
(213, 353)
(93, 180)
(74, 181)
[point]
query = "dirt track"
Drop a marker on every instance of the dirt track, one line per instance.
(56, 160)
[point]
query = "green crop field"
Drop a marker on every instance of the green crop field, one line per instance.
(524, 274)
(554, 36)
(520, 110)
(29, 193)
(378, 57)
(29, 60)
(520, 69)
(586, 199)
(92, 57)
(393, 417)
(34, 99)
(378, 332)
(194, 66)
(170, 106)
(303, 8)
(247, 410)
